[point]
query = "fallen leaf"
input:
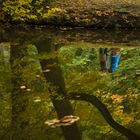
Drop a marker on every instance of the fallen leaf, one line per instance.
(22, 87)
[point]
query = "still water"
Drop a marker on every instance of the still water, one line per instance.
(69, 84)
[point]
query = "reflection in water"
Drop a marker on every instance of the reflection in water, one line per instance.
(65, 121)
(103, 58)
(55, 78)
(19, 98)
(45, 78)
(114, 59)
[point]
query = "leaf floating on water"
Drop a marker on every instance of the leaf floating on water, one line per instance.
(65, 121)
(69, 118)
(37, 76)
(65, 124)
(138, 72)
(28, 89)
(47, 70)
(37, 99)
(52, 122)
(22, 87)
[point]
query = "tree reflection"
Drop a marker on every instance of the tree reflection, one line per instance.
(55, 78)
(105, 112)
(103, 53)
(18, 95)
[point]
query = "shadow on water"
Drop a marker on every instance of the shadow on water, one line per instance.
(47, 73)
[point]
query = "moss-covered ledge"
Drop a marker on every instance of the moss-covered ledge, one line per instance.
(124, 16)
(105, 17)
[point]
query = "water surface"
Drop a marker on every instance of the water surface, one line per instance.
(53, 85)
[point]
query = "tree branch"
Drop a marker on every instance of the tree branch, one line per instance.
(105, 112)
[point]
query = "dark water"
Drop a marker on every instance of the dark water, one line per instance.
(60, 84)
